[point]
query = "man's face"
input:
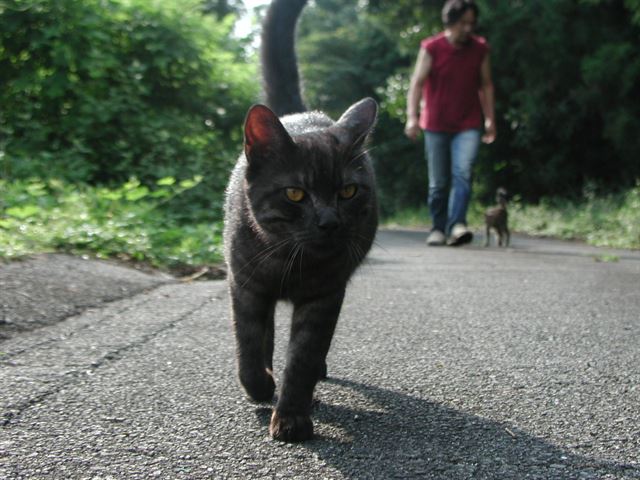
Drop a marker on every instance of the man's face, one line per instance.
(463, 28)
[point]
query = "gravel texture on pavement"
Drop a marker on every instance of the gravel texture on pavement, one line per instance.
(45, 289)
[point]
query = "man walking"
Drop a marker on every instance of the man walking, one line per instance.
(452, 76)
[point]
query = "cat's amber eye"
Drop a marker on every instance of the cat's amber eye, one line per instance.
(295, 194)
(348, 192)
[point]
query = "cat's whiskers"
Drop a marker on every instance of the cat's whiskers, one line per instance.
(267, 251)
(362, 260)
(353, 256)
(301, 255)
(359, 252)
(375, 242)
(288, 267)
(381, 247)
(263, 256)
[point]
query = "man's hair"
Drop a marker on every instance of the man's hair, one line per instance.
(453, 10)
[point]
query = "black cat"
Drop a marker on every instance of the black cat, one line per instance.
(300, 216)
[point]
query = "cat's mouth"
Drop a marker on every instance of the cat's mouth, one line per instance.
(325, 245)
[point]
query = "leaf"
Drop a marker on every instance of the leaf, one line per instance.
(132, 184)
(166, 181)
(23, 212)
(111, 195)
(161, 194)
(137, 193)
(36, 189)
(190, 183)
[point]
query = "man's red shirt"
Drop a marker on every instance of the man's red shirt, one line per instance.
(451, 90)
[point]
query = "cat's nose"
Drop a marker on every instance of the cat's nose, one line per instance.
(328, 220)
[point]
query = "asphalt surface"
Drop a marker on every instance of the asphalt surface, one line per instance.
(48, 288)
(448, 363)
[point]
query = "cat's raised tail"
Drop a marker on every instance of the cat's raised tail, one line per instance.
(279, 63)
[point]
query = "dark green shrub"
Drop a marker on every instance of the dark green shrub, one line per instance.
(101, 90)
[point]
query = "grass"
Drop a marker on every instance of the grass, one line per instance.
(419, 218)
(607, 220)
(135, 223)
(131, 222)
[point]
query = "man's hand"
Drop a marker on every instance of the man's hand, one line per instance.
(412, 129)
(489, 132)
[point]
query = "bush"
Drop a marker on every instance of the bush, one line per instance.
(566, 84)
(606, 220)
(101, 90)
(130, 222)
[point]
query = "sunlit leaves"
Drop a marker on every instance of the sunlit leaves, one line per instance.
(97, 91)
(23, 212)
(131, 221)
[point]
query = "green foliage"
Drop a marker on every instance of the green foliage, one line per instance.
(611, 220)
(603, 220)
(132, 222)
(336, 46)
(565, 88)
(222, 8)
(101, 90)
(409, 20)
(401, 167)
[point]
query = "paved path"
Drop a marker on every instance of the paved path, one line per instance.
(48, 288)
(447, 364)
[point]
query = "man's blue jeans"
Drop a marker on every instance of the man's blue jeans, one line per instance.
(450, 159)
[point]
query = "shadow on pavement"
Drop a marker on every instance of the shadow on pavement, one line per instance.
(387, 434)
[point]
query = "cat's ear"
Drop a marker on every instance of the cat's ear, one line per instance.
(358, 121)
(264, 135)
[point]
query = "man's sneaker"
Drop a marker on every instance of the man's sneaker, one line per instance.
(436, 238)
(460, 235)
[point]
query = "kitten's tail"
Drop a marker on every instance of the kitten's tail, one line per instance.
(279, 63)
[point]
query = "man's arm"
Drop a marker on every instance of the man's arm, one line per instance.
(487, 101)
(420, 73)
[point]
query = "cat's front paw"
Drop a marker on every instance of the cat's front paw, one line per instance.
(291, 428)
(260, 387)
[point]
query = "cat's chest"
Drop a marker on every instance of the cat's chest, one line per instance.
(297, 273)
(317, 275)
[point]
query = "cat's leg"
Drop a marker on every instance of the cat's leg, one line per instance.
(253, 324)
(507, 235)
(322, 371)
(268, 341)
(311, 332)
(487, 237)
